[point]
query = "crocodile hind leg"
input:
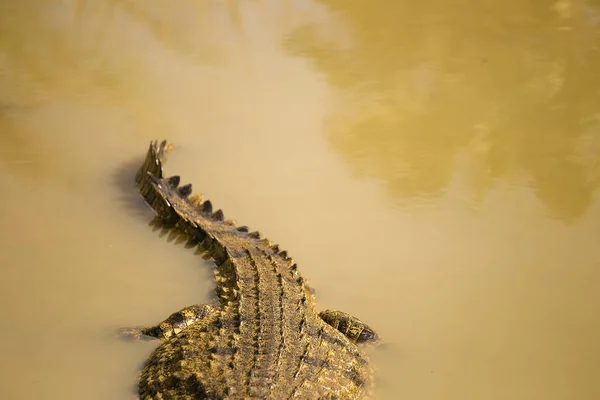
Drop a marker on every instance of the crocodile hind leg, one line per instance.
(353, 328)
(171, 326)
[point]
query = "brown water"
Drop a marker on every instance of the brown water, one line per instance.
(431, 166)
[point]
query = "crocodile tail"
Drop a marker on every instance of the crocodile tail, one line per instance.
(160, 192)
(153, 161)
(149, 172)
(176, 205)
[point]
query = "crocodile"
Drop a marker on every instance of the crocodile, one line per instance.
(265, 338)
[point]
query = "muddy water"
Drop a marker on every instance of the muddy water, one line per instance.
(432, 167)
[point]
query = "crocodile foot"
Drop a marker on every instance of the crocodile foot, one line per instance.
(353, 328)
(171, 326)
(134, 333)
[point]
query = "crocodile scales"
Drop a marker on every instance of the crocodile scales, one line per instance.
(265, 340)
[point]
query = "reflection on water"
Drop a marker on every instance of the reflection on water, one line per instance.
(507, 87)
(186, 27)
(480, 120)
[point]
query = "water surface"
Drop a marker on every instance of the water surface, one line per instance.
(431, 166)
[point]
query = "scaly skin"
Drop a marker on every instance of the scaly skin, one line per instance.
(265, 340)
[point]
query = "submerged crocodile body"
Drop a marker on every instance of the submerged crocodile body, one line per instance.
(265, 340)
